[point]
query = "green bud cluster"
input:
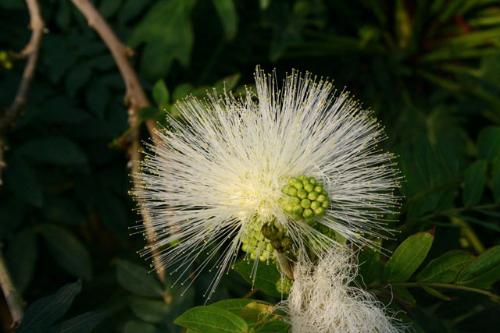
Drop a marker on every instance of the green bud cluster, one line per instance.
(276, 234)
(284, 285)
(254, 243)
(304, 198)
(5, 60)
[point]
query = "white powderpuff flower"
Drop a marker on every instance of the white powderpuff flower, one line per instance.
(224, 165)
(322, 299)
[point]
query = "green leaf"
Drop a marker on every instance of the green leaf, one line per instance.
(76, 79)
(436, 293)
(227, 83)
(150, 310)
(181, 91)
(234, 305)
(228, 16)
(151, 112)
(166, 30)
(251, 310)
(263, 4)
(408, 257)
(22, 180)
(21, 256)
(208, 319)
(488, 143)
(160, 93)
(54, 150)
(474, 182)
(137, 280)
(109, 7)
(483, 271)
(256, 311)
(97, 97)
(275, 326)
(370, 268)
(138, 327)
(12, 213)
(43, 313)
(130, 10)
(495, 178)
(445, 268)
(265, 279)
(67, 250)
(62, 209)
(404, 294)
(84, 323)
(113, 212)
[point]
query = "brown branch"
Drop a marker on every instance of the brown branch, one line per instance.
(136, 99)
(30, 52)
(10, 294)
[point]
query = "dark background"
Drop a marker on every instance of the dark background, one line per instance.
(429, 69)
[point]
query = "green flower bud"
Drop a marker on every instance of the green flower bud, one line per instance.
(312, 196)
(305, 203)
(297, 210)
(255, 241)
(305, 198)
(308, 187)
(319, 211)
(284, 285)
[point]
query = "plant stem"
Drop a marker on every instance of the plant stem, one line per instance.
(30, 52)
(136, 99)
(492, 296)
(11, 296)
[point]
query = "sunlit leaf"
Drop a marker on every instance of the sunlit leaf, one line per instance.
(483, 271)
(408, 257)
(209, 319)
(445, 268)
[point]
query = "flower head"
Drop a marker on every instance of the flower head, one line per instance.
(322, 300)
(269, 173)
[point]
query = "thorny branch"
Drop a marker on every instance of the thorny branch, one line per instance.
(8, 118)
(136, 99)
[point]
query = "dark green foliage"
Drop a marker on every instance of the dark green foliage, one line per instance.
(430, 70)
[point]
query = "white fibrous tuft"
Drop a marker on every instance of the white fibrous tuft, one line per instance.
(322, 299)
(225, 161)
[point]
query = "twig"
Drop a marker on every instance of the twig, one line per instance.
(136, 99)
(30, 52)
(494, 297)
(11, 297)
